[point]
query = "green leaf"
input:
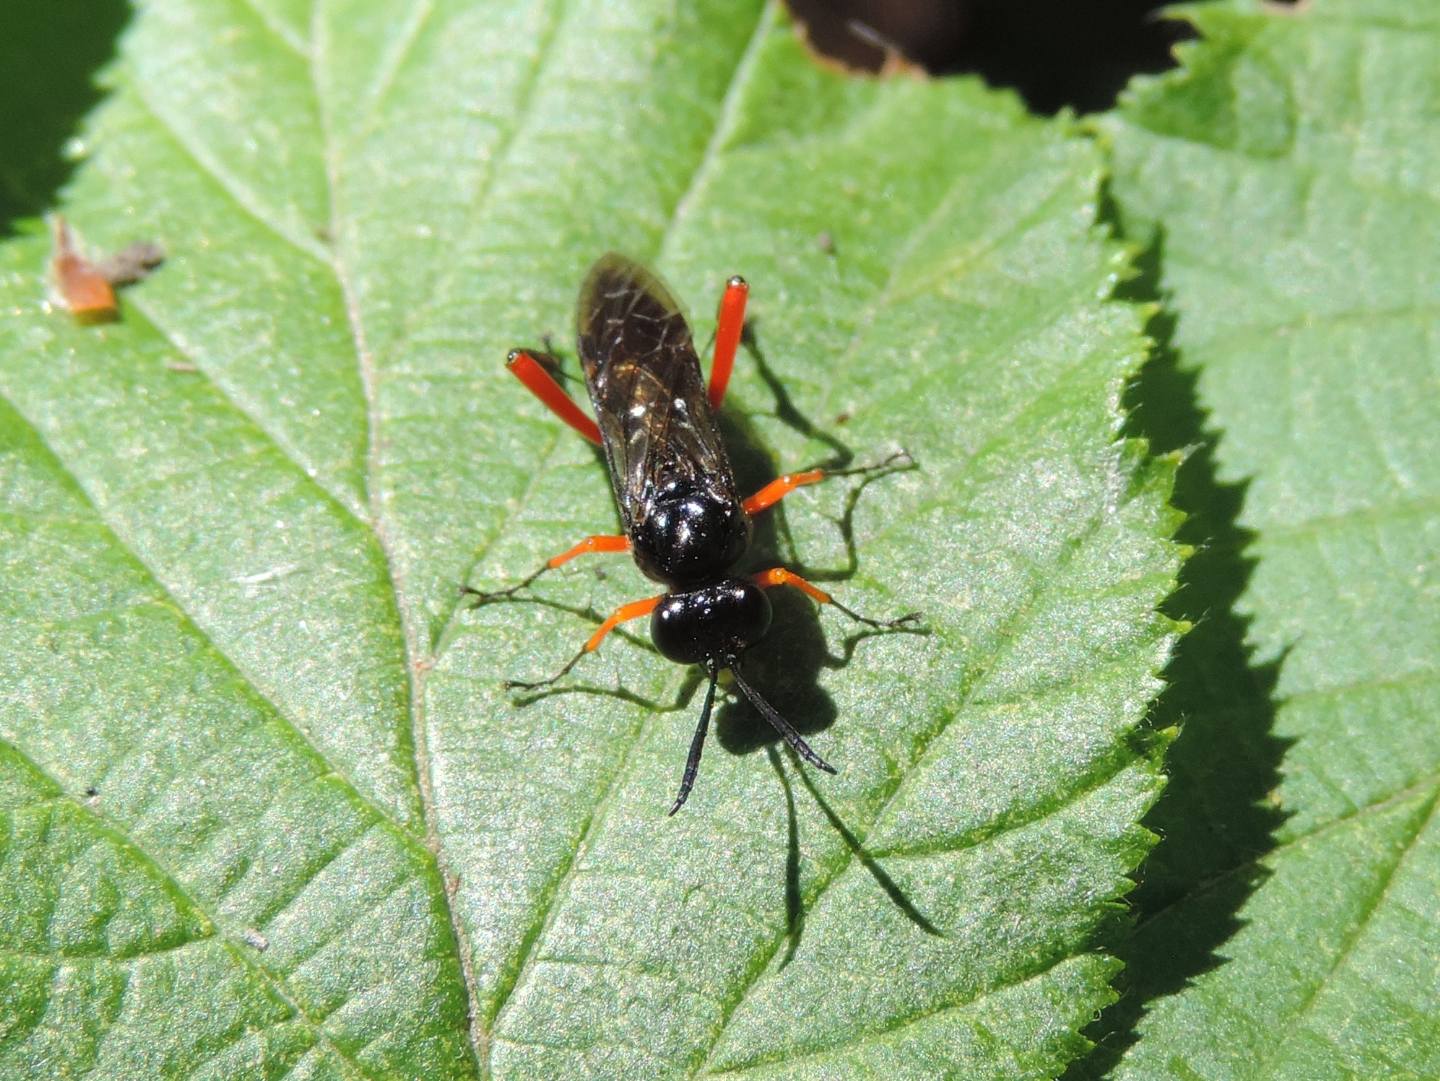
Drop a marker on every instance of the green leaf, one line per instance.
(1289, 925)
(323, 840)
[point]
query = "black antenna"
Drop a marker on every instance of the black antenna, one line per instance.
(697, 744)
(784, 727)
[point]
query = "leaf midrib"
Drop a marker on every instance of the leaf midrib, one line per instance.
(415, 670)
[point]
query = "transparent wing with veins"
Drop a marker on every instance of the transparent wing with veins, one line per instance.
(647, 389)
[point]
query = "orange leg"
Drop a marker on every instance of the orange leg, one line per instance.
(623, 614)
(780, 487)
(600, 543)
(603, 542)
(779, 576)
(539, 382)
(728, 328)
(626, 612)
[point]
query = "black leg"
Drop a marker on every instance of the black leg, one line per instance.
(878, 624)
(779, 576)
(606, 542)
(898, 461)
(486, 596)
(521, 685)
(633, 610)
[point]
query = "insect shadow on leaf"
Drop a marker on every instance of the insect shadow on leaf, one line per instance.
(789, 668)
(794, 900)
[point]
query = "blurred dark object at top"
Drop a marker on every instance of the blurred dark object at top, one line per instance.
(50, 51)
(1055, 53)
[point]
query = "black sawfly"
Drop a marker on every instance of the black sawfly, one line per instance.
(684, 520)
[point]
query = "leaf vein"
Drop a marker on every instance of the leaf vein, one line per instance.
(292, 454)
(394, 59)
(238, 193)
(1028, 975)
(1379, 805)
(503, 521)
(924, 743)
(162, 595)
(565, 874)
(523, 112)
(277, 30)
(1267, 1064)
(1222, 344)
(1373, 514)
(724, 123)
(63, 959)
(275, 982)
(1106, 769)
